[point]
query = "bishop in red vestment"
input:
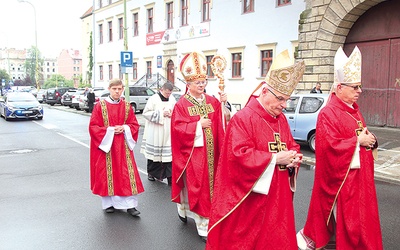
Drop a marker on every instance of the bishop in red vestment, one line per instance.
(114, 131)
(343, 205)
(252, 206)
(196, 138)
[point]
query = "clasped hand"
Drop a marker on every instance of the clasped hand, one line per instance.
(119, 129)
(366, 139)
(290, 158)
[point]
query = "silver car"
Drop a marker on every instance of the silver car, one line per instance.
(302, 112)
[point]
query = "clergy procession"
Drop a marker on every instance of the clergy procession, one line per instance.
(236, 177)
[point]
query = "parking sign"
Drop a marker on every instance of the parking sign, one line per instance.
(126, 59)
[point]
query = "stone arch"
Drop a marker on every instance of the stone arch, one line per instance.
(323, 28)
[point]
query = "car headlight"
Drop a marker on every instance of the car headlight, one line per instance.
(11, 108)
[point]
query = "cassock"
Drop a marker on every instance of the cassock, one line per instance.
(243, 215)
(156, 144)
(113, 170)
(195, 151)
(344, 188)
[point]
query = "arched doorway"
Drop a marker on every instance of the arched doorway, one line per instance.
(377, 34)
(171, 71)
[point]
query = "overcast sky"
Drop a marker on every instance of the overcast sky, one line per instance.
(58, 24)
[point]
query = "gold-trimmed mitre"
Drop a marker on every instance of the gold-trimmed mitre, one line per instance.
(194, 67)
(283, 76)
(347, 69)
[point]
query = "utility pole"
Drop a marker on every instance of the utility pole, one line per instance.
(36, 46)
(126, 75)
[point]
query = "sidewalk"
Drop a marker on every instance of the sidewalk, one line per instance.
(387, 167)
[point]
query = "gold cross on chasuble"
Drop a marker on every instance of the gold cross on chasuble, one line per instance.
(277, 145)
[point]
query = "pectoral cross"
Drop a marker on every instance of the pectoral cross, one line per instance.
(276, 147)
(360, 128)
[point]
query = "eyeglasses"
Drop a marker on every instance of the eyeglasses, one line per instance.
(355, 87)
(280, 98)
(200, 83)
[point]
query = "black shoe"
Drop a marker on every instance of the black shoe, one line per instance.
(183, 219)
(133, 212)
(203, 238)
(169, 180)
(151, 178)
(110, 209)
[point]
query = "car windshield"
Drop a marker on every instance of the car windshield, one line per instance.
(21, 98)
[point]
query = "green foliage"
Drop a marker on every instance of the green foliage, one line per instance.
(90, 65)
(4, 75)
(57, 80)
(30, 65)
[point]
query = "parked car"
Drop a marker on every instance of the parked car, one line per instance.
(54, 95)
(138, 97)
(302, 112)
(24, 105)
(84, 104)
(66, 98)
(40, 96)
(76, 98)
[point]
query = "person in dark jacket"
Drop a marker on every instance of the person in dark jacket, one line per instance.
(91, 98)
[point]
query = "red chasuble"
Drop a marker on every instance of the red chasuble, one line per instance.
(114, 173)
(241, 218)
(199, 163)
(352, 190)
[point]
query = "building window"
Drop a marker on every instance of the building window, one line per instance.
(100, 3)
(110, 73)
(101, 72)
(121, 28)
(170, 15)
(184, 13)
(210, 73)
(283, 2)
(148, 67)
(206, 11)
(110, 34)
(135, 24)
(150, 20)
(109, 2)
(101, 33)
(266, 61)
(248, 6)
(120, 71)
(134, 70)
(236, 65)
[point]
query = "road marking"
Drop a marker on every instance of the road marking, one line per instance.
(74, 140)
(50, 126)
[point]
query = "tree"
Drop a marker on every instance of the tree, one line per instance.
(90, 65)
(57, 80)
(4, 75)
(30, 65)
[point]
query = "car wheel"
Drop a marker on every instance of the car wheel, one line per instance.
(311, 142)
(133, 107)
(51, 104)
(40, 118)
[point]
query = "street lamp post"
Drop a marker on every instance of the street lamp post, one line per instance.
(36, 46)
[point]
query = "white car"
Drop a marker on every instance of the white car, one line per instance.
(76, 98)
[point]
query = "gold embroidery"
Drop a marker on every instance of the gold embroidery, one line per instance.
(277, 146)
(203, 109)
(110, 184)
